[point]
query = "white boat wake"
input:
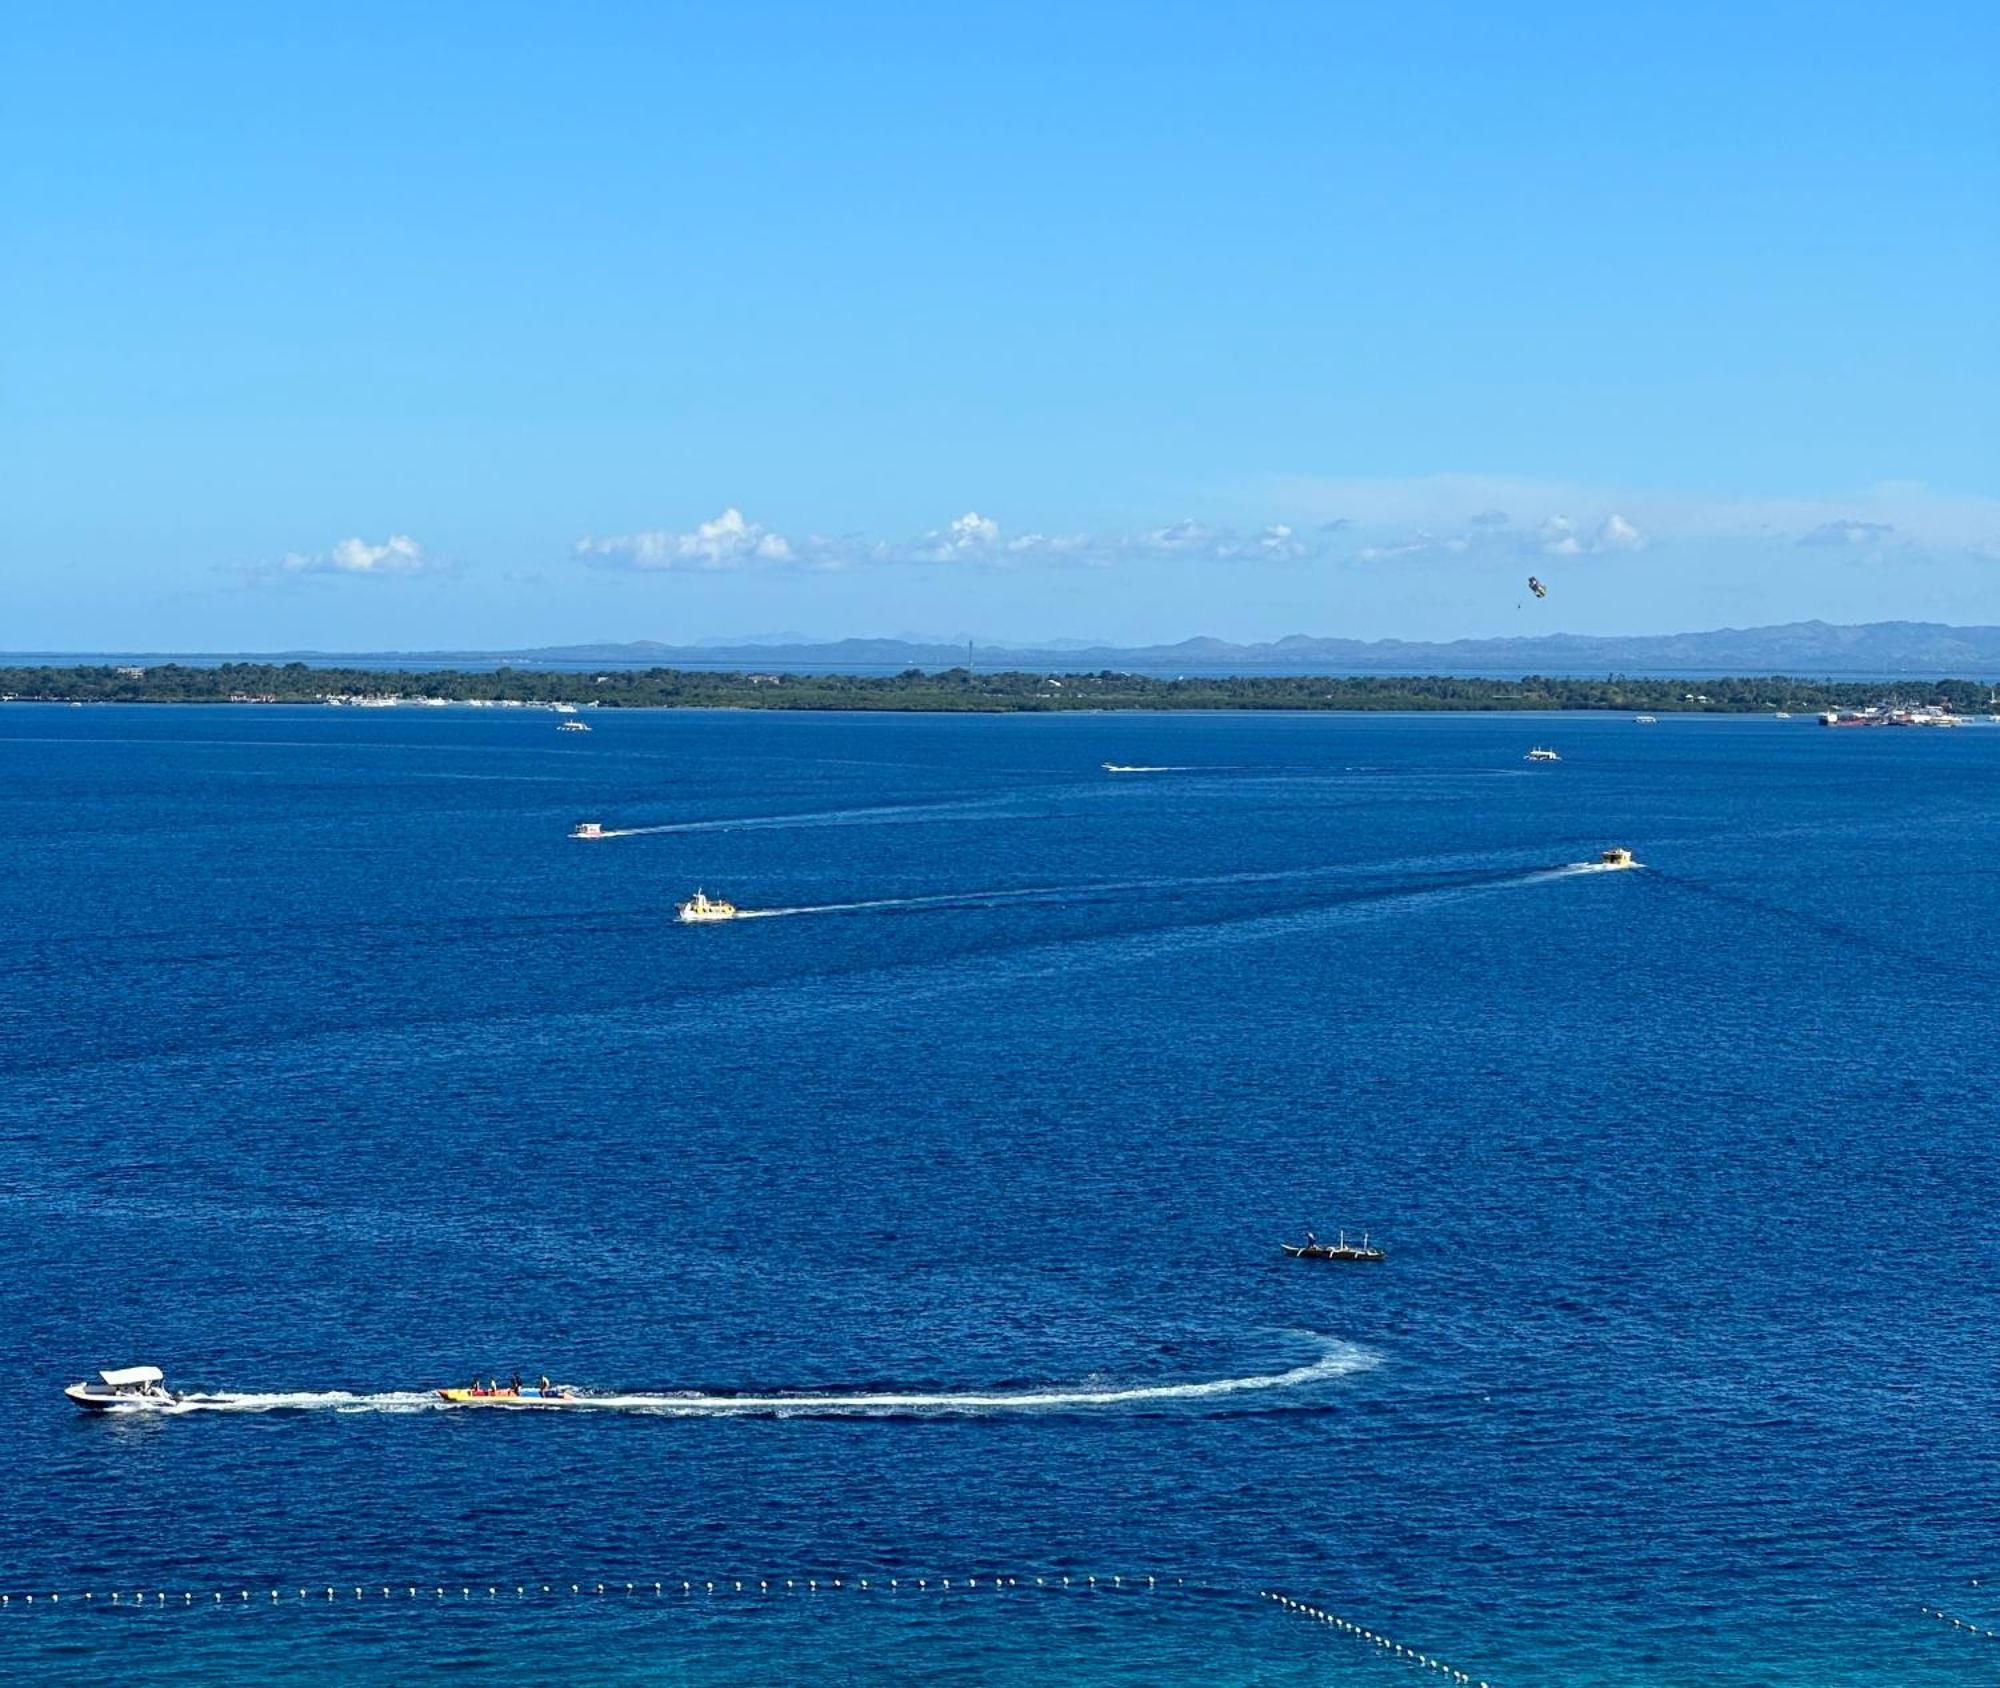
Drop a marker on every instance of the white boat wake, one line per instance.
(1109, 888)
(882, 814)
(1335, 1359)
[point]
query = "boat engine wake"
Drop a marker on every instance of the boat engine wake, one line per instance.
(1334, 1359)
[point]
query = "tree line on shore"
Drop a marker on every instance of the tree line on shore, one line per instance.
(963, 690)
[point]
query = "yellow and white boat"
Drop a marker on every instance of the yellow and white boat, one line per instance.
(553, 1395)
(1617, 858)
(700, 909)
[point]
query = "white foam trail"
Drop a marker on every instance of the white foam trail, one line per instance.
(1061, 893)
(1335, 1359)
(880, 814)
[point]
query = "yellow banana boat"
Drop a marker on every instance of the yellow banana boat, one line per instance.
(556, 1395)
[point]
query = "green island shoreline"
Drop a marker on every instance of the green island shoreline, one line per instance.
(962, 691)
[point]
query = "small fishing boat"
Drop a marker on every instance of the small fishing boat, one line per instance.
(124, 1389)
(1541, 753)
(588, 829)
(1313, 1249)
(700, 909)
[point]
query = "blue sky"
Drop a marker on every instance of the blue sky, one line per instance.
(370, 326)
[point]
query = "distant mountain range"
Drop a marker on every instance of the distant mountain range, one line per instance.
(1881, 648)
(1809, 649)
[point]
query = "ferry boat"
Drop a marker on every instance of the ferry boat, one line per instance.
(588, 829)
(700, 909)
(572, 726)
(1541, 753)
(1313, 1249)
(123, 1389)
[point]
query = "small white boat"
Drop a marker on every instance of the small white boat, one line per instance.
(1645, 720)
(700, 909)
(1541, 753)
(125, 1389)
(1782, 715)
(587, 829)
(572, 726)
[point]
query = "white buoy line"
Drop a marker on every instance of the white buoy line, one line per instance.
(458, 1591)
(1968, 1625)
(1393, 1648)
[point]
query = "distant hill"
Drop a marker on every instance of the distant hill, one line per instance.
(1811, 649)
(1881, 649)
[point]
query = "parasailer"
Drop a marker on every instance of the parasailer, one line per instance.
(1536, 587)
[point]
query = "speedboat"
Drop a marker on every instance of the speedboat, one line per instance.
(1646, 720)
(572, 726)
(1313, 1249)
(700, 908)
(1617, 858)
(1541, 753)
(124, 1389)
(555, 1395)
(587, 829)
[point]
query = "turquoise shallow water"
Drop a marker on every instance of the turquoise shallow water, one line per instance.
(332, 1064)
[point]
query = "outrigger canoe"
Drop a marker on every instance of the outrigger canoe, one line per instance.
(1313, 1249)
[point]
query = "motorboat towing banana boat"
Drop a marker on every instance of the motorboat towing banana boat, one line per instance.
(125, 1389)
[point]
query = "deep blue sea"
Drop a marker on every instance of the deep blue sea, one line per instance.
(333, 1070)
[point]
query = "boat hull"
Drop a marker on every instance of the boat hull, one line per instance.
(96, 1398)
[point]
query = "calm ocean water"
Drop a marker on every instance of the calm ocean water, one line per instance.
(329, 1063)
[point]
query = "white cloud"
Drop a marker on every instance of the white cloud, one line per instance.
(1615, 533)
(1846, 531)
(398, 554)
(727, 542)
(971, 535)
(1419, 544)
(731, 541)
(1558, 537)
(1393, 511)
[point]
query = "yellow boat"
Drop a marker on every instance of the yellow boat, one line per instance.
(557, 1394)
(1617, 858)
(699, 909)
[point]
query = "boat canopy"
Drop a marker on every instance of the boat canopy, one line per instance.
(133, 1374)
